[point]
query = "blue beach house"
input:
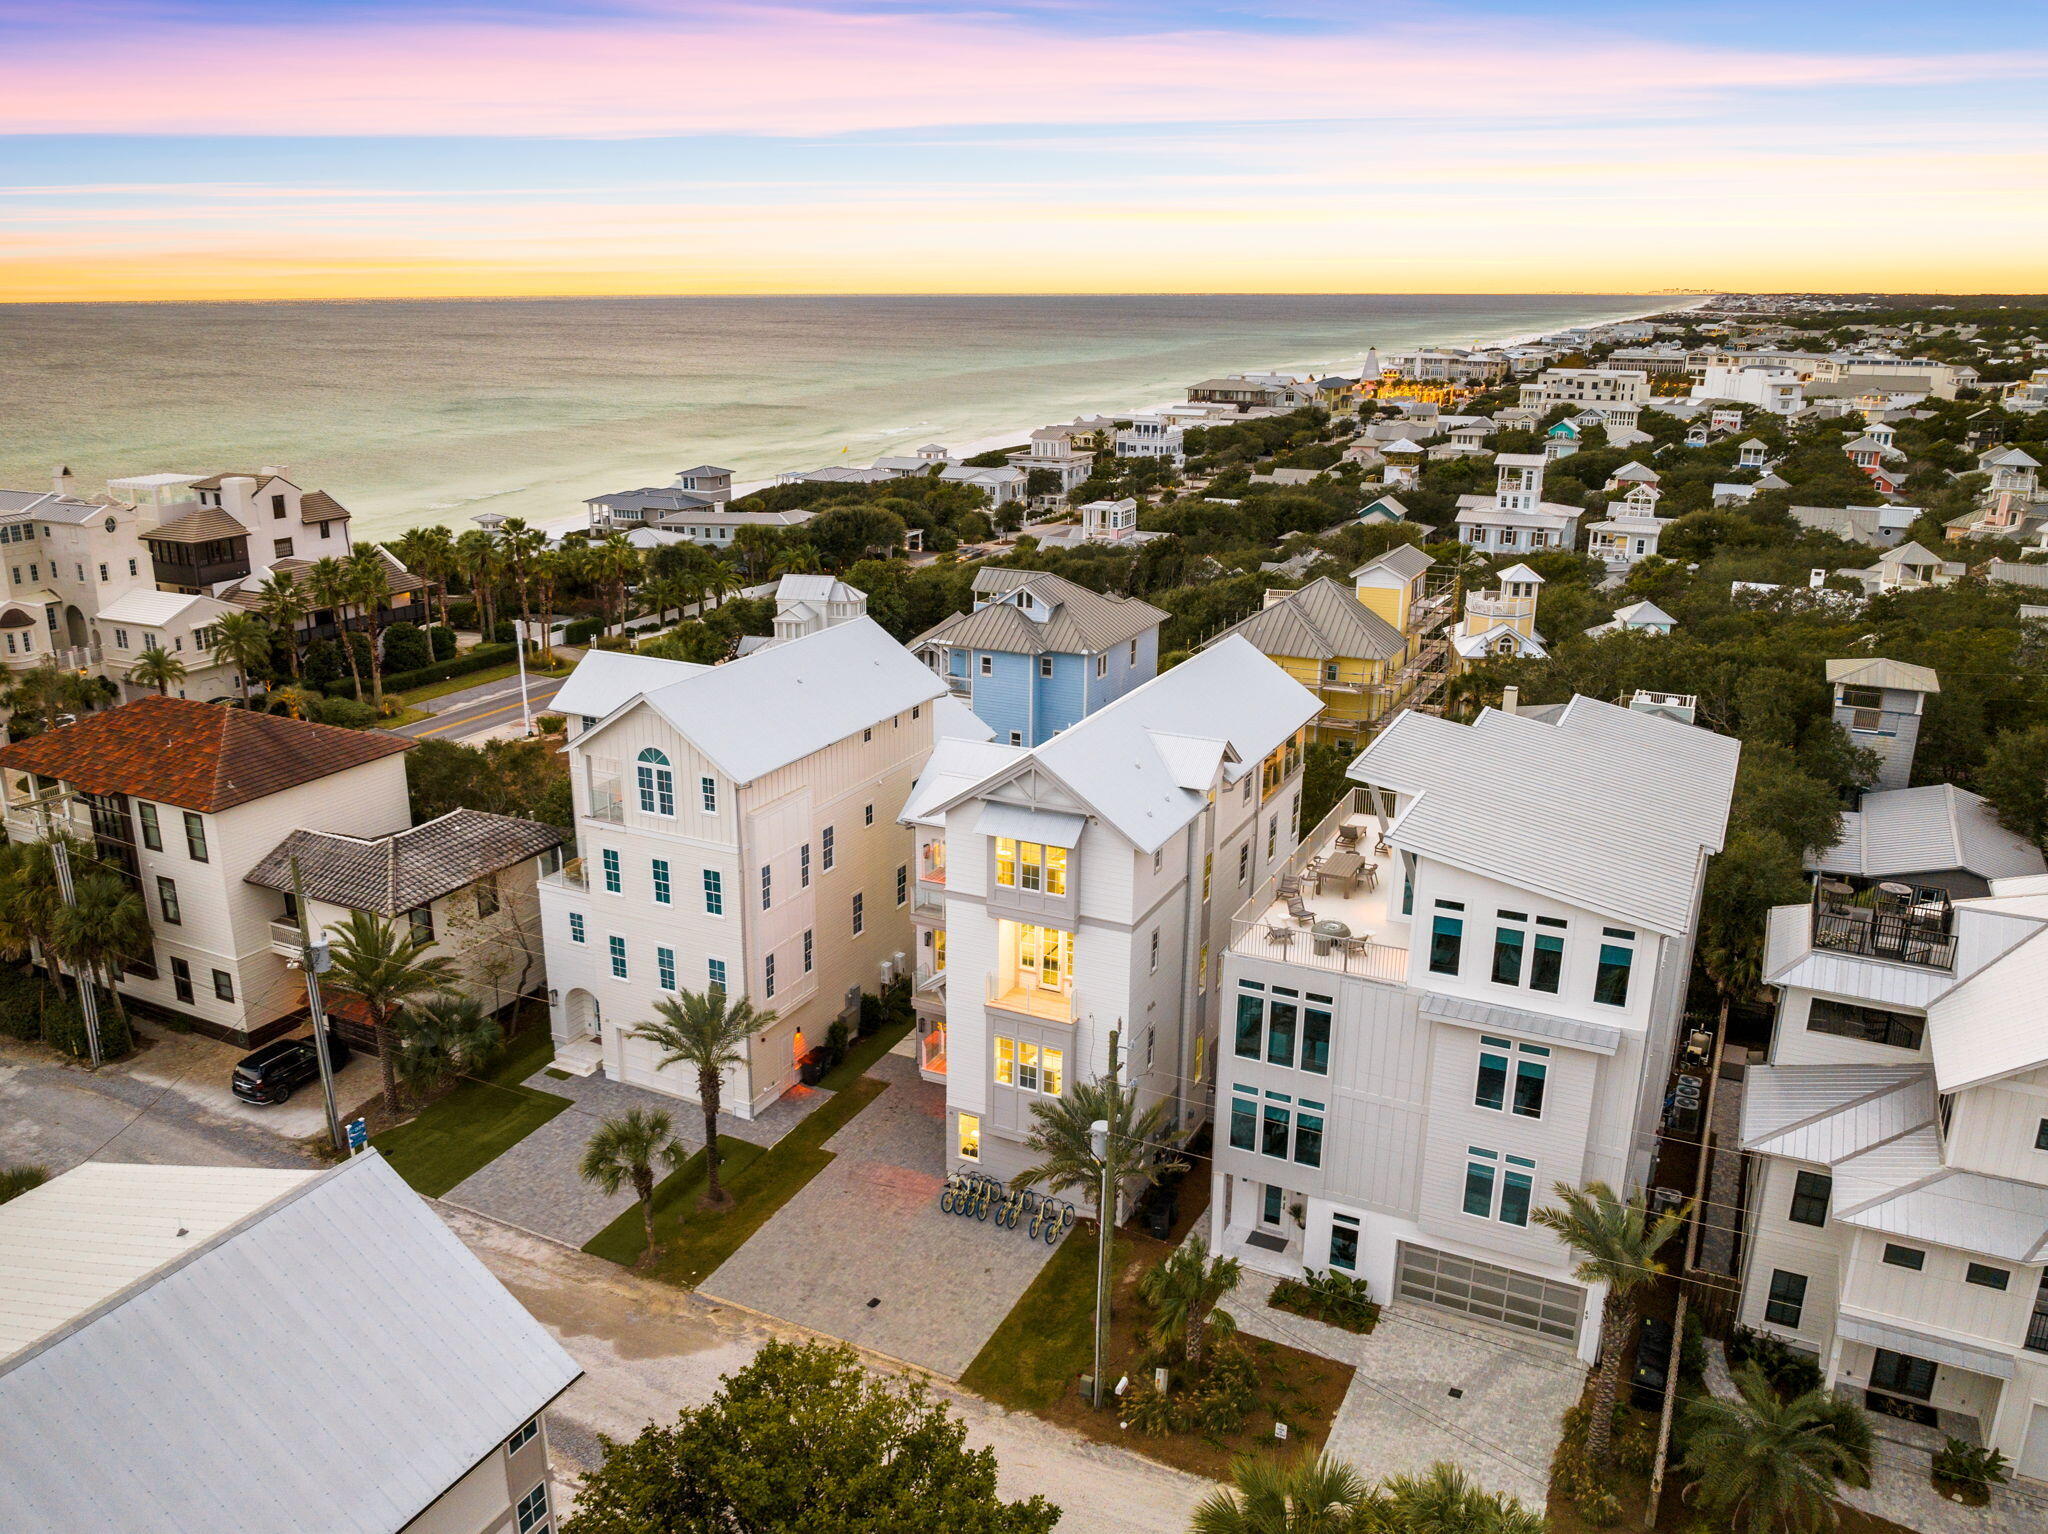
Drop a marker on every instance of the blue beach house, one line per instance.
(1037, 652)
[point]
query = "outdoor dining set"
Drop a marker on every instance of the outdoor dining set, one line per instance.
(1342, 870)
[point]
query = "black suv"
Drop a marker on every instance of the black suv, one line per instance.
(272, 1073)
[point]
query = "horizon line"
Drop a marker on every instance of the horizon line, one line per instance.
(541, 297)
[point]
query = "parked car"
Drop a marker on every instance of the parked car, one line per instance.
(274, 1072)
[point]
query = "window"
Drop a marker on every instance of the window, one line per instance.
(665, 968)
(1244, 1117)
(988, 665)
(767, 885)
(1507, 951)
(1101, 666)
(420, 919)
(1486, 1180)
(281, 548)
(1016, 737)
(613, 882)
(1272, 834)
(1154, 961)
(768, 975)
(152, 833)
(1904, 1256)
(808, 949)
(1492, 1089)
(707, 795)
(803, 866)
(1244, 865)
(1810, 1193)
(1208, 872)
(1788, 1300)
(1610, 979)
(826, 848)
(1271, 1027)
(1030, 1067)
(167, 900)
(1344, 1242)
(714, 892)
(714, 975)
(968, 1137)
(663, 894)
(224, 988)
(103, 572)
(533, 1511)
(617, 945)
(120, 639)
(902, 883)
(2041, 1136)
(657, 783)
(1045, 665)
(1986, 1276)
(576, 932)
(1873, 1025)
(523, 1437)
(277, 506)
(1031, 866)
(1900, 1374)
(487, 896)
(195, 837)
(1446, 939)
(1546, 961)
(181, 980)
(867, 814)
(1308, 1133)
(859, 919)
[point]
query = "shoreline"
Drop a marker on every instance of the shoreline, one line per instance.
(1014, 436)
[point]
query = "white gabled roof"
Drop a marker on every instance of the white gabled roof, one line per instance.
(954, 766)
(1638, 614)
(1874, 671)
(155, 609)
(334, 1358)
(778, 705)
(1989, 1026)
(1520, 573)
(1603, 808)
(1828, 1113)
(1924, 830)
(604, 679)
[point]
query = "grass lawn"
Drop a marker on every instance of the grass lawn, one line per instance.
(1046, 1342)
(402, 718)
(693, 1242)
(476, 1123)
(864, 1053)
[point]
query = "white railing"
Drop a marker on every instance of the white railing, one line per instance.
(1029, 1000)
(1500, 607)
(1356, 956)
(928, 897)
(574, 875)
(932, 1052)
(284, 936)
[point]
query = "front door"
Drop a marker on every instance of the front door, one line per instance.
(1270, 1208)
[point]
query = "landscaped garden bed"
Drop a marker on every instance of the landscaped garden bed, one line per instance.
(1335, 1299)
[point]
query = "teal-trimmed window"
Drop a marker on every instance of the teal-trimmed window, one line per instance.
(1546, 959)
(1283, 1027)
(1508, 943)
(662, 892)
(1315, 1039)
(707, 794)
(657, 783)
(665, 968)
(1282, 1017)
(1481, 1169)
(1490, 1176)
(714, 892)
(1530, 1079)
(1446, 940)
(1344, 1242)
(714, 975)
(617, 945)
(1492, 1090)
(1273, 1139)
(1610, 980)
(1517, 1189)
(1244, 1120)
(1308, 1133)
(1251, 1023)
(609, 861)
(1500, 1059)
(576, 927)
(1787, 1299)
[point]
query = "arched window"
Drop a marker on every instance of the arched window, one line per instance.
(657, 783)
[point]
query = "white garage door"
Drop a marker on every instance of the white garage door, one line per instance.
(1491, 1293)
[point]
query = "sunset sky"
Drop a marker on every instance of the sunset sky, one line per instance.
(336, 148)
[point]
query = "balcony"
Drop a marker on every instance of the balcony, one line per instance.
(2037, 1332)
(285, 940)
(572, 875)
(1342, 879)
(1028, 999)
(931, 1053)
(606, 805)
(1902, 923)
(927, 899)
(1499, 607)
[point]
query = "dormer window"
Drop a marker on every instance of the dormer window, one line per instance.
(1026, 601)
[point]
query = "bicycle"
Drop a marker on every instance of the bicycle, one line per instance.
(951, 1194)
(1057, 1228)
(984, 1199)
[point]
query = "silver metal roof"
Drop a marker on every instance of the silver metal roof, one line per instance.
(1941, 1350)
(336, 1359)
(1076, 621)
(1896, 674)
(1321, 621)
(1928, 829)
(1827, 1113)
(1515, 1020)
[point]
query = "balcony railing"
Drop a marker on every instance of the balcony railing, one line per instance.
(1357, 956)
(2037, 1332)
(1500, 607)
(1904, 923)
(574, 874)
(928, 899)
(932, 1052)
(1029, 999)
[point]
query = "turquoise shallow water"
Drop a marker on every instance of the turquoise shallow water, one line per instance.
(413, 412)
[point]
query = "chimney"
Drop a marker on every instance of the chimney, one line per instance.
(1815, 579)
(1510, 698)
(61, 481)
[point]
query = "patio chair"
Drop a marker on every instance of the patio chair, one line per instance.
(1369, 875)
(1289, 887)
(1298, 909)
(1347, 837)
(1278, 935)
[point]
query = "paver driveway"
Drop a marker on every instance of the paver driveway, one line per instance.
(868, 1228)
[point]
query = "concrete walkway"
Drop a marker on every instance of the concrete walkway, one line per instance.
(534, 1185)
(863, 1251)
(1431, 1387)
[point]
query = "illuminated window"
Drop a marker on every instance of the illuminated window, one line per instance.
(969, 1140)
(1031, 866)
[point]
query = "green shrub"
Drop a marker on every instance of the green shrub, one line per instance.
(443, 642)
(23, 995)
(1145, 1410)
(482, 658)
(462, 614)
(1574, 1480)
(406, 648)
(502, 631)
(64, 1030)
(582, 631)
(1790, 1371)
(1968, 1471)
(1329, 1296)
(343, 711)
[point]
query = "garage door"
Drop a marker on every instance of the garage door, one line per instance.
(1491, 1293)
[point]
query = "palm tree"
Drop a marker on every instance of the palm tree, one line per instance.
(551, 568)
(30, 899)
(707, 1030)
(159, 668)
(1762, 1465)
(625, 1149)
(519, 543)
(1445, 1501)
(1313, 1495)
(17, 1180)
(476, 556)
(385, 972)
(1060, 1136)
(444, 1036)
(242, 640)
(297, 702)
(370, 580)
(331, 586)
(1183, 1292)
(283, 603)
(1617, 1244)
(614, 561)
(103, 926)
(796, 559)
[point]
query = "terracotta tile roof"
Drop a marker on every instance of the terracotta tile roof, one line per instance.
(201, 526)
(197, 756)
(319, 506)
(409, 868)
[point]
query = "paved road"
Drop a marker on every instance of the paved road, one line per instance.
(649, 1350)
(477, 709)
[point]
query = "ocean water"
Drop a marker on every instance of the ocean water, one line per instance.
(431, 411)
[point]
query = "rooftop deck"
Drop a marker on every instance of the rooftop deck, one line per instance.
(1900, 922)
(1347, 879)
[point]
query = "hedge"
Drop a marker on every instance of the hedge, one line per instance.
(582, 631)
(482, 658)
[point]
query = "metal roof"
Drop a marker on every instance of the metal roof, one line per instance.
(1604, 808)
(604, 679)
(1941, 1350)
(1929, 829)
(1321, 621)
(406, 869)
(1077, 621)
(954, 766)
(1989, 1026)
(1827, 1113)
(1967, 1210)
(1901, 676)
(335, 1356)
(1598, 1037)
(1405, 560)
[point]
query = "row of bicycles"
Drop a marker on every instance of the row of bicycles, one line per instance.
(979, 1196)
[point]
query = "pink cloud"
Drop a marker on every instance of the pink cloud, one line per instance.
(797, 70)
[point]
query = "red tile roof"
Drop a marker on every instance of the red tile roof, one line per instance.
(197, 756)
